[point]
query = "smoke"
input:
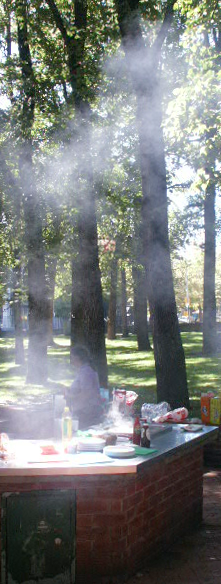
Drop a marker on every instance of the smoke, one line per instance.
(91, 147)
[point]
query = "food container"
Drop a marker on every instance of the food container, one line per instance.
(205, 408)
(215, 408)
(119, 400)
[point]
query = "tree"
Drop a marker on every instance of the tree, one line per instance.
(37, 298)
(195, 121)
(143, 63)
(87, 315)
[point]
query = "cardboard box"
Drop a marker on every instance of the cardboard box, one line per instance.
(205, 408)
(215, 410)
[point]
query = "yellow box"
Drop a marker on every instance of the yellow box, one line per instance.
(215, 410)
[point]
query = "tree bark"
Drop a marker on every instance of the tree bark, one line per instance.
(87, 314)
(51, 274)
(19, 344)
(143, 63)
(37, 349)
(111, 323)
(209, 308)
(140, 308)
(124, 303)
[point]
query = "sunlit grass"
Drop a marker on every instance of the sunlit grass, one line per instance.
(126, 368)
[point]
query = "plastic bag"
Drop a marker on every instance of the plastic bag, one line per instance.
(150, 411)
(177, 415)
(131, 397)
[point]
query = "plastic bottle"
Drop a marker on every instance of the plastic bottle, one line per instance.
(66, 425)
(136, 431)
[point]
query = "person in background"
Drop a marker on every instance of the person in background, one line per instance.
(83, 397)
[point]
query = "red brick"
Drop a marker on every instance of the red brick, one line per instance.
(88, 506)
(84, 520)
(143, 482)
(149, 490)
(132, 501)
(108, 520)
(116, 506)
(130, 490)
(118, 531)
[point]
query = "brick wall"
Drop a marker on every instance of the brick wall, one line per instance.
(123, 520)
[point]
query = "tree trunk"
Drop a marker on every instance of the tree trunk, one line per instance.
(37, 349)
(51, 275)
(124, 303)
(143, 63)
(87, 313)
(19, 344)
(140, 308)
(209, 308)
(111, 322)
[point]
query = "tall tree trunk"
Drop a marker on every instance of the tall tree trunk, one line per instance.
(51, 275)
(111, 323)
(140, 308)
(209, 308)
(19, 344)
(124, 303)
(87, 312)
(143, 63)
(37, 349)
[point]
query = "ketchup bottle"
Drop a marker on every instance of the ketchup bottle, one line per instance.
(136, 431)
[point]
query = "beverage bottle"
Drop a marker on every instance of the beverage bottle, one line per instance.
(66, 425)
(145, 434)
(136, 431)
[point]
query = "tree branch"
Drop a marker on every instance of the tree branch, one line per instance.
(129, 22)
(58, 20)
(156, 47)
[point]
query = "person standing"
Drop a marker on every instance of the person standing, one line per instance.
(83, 397)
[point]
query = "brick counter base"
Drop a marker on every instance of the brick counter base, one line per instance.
(212, 452)
(123, 520)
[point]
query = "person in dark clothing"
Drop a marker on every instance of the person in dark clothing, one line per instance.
(83, 397)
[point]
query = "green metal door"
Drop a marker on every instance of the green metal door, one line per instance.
(38, 537)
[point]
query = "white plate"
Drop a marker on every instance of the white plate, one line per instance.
(120, 451)
(90, 441)
(91, 444)
(91, 449)
(192, 428)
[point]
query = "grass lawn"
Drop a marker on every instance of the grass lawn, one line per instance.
(126, 367)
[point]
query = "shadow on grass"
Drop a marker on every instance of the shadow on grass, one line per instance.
(13, 371)
(128, 367)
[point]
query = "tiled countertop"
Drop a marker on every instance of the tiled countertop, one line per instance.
(167, 445)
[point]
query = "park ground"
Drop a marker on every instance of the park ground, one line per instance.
(127, 368)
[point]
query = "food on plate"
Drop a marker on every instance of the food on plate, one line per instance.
(191, 428)
(48, 449)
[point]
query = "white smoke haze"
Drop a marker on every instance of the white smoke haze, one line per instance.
(63, 167)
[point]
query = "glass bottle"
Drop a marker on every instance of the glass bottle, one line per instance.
(136, 431)
(66, 425)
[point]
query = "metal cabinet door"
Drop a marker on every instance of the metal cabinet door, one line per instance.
(38, 537)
